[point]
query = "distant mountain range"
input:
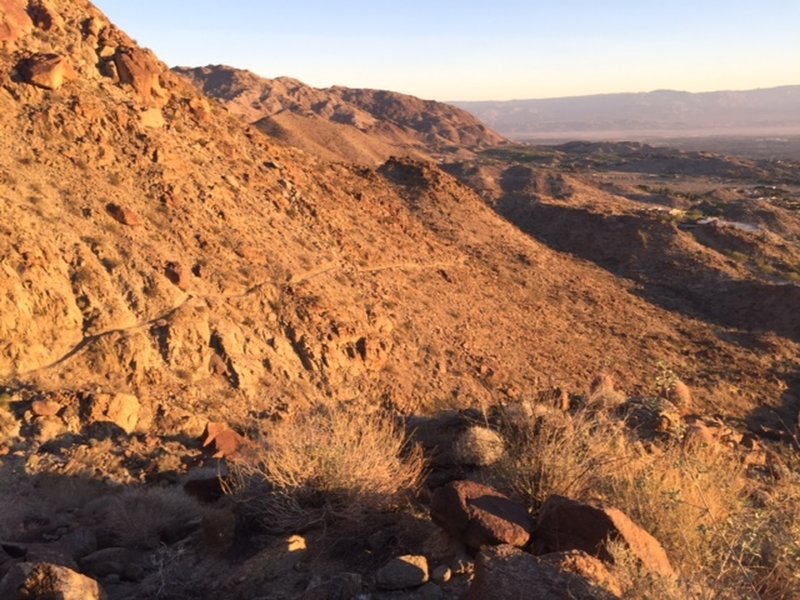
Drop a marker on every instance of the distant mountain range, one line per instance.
(773, 111)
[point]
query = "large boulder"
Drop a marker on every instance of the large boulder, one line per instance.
(507, 573)
(48, 71)
(565, 524)
(46, 581)
(137, 69)
(120, 409)
(478, 515)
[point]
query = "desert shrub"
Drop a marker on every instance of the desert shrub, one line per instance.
(331, 465)
(729, 533)
(147, 517)
(559, 453)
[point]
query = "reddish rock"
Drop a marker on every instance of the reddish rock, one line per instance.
(122, 214)
(137, 69)
(507, 573)
(178, 275)
(45, 408)
(681, 396)
(592, 569)
(565, 524)
(200, 108)
(120, 409)
(478, 515)
(46, 71)
(14, 21)
(44, 15)
(225, 440)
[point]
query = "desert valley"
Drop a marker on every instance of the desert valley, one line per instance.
(265, 340)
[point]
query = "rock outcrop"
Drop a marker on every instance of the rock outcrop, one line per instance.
(564, 524)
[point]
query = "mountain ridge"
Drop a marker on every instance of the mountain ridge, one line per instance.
(358, 125)
(666, 111)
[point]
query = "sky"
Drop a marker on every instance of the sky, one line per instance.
(454, 50)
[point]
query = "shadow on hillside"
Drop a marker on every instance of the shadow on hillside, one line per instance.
(780, 423)
(157, 540)
(648, 252)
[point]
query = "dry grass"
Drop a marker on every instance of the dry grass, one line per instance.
(331, 465)
(729, 534)
(559, 454)
(148, 517)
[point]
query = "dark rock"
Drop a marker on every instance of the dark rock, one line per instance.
(478, 515)
(108, 561)
(565, 524)
(46, 71)
(403, 572)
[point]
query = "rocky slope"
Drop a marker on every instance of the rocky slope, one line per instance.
(168, 270)
(337, 123)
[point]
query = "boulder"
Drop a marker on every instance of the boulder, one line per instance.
(565, 524)
(47, 581)
(478, 515)
(44, 15)
(123, 214)
(46, 71)
(120, 409)
(178, 274)
(592, 569)
(46, 407)
(507, 573)
(226, 442)
(14, 21)
(403, 572)
(46, 429)
(137, 69)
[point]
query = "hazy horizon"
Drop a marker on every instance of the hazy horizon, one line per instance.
(475, 51)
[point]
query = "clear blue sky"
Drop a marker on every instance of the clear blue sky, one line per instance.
(467, 50)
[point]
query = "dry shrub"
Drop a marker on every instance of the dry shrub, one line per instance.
(146, 517)
(729, 534)
(333, 464)
(559, 453)
(637, 583)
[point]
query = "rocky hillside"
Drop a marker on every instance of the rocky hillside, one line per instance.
(363, 126)
(180, 290)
